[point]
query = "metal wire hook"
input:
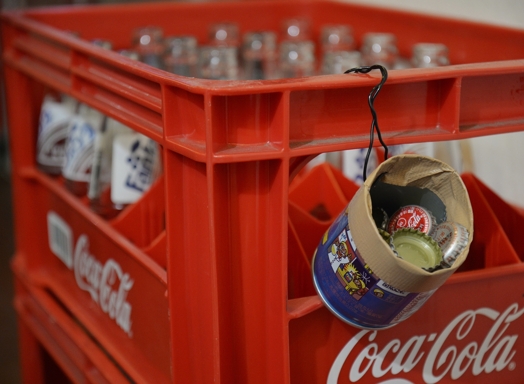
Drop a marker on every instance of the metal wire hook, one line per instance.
(374, 122)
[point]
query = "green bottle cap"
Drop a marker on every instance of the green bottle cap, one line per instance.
(416, 248)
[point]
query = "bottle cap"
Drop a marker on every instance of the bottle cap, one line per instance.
(416, 248)
(384, 234)
(412, 216)
(380, 217)
(452, 238)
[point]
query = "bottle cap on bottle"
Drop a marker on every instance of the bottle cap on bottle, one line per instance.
(412, 216)
(452, 238)
(416, 248)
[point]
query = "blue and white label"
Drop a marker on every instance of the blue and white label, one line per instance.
(53, 130)
(80, 144)
(136, 162)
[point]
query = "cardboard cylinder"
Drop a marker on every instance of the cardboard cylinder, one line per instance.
(356, 273)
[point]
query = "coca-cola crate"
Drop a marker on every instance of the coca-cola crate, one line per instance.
(467, 331)
(210, 277)
(54, 346)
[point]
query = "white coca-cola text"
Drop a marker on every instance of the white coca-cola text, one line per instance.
(107, 284)
(494, 353)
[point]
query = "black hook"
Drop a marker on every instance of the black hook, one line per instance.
(371, 100)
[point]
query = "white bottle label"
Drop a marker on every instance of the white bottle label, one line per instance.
(54, 123)
(80, 144)
(136, 162)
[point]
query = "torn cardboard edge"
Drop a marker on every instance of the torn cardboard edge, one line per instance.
(422, 172)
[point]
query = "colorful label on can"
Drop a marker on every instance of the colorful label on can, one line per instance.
(351, 290)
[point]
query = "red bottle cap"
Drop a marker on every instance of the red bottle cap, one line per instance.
(412, 216)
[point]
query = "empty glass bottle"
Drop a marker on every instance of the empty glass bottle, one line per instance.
(297, 59)
(224, 34)
(181, 55)
(296, 29)
(379, 48)
(336, 37)
(337, 62)
(148, 43)
(428, 55)
(218, 63)
(259, 52)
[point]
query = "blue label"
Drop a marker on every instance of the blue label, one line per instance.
(348, 285)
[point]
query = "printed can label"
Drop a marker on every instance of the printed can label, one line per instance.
(351, 290)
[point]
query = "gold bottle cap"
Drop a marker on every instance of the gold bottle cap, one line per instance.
(385, 235)
(416, 248)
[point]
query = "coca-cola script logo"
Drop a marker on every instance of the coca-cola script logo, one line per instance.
(107, 284)
(495, 353)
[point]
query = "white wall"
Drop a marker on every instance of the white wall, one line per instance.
(502, 12)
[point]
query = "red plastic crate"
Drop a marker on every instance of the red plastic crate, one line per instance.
(221, 288)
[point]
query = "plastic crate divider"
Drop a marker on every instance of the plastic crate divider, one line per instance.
(490, 247)
(299, 266)
(511, 218)
(143, 221)
(315, 200)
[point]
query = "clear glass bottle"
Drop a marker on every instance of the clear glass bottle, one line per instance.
(429, 55)
(148, 43)
(56, 117)
(181, 55)
(337, 62)
(336, 37)
(379, 48)
(125, 165)
(79, 149)
(297, 59)
(224, 34)
(296, 29)
(259, 54)
(218, 63)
